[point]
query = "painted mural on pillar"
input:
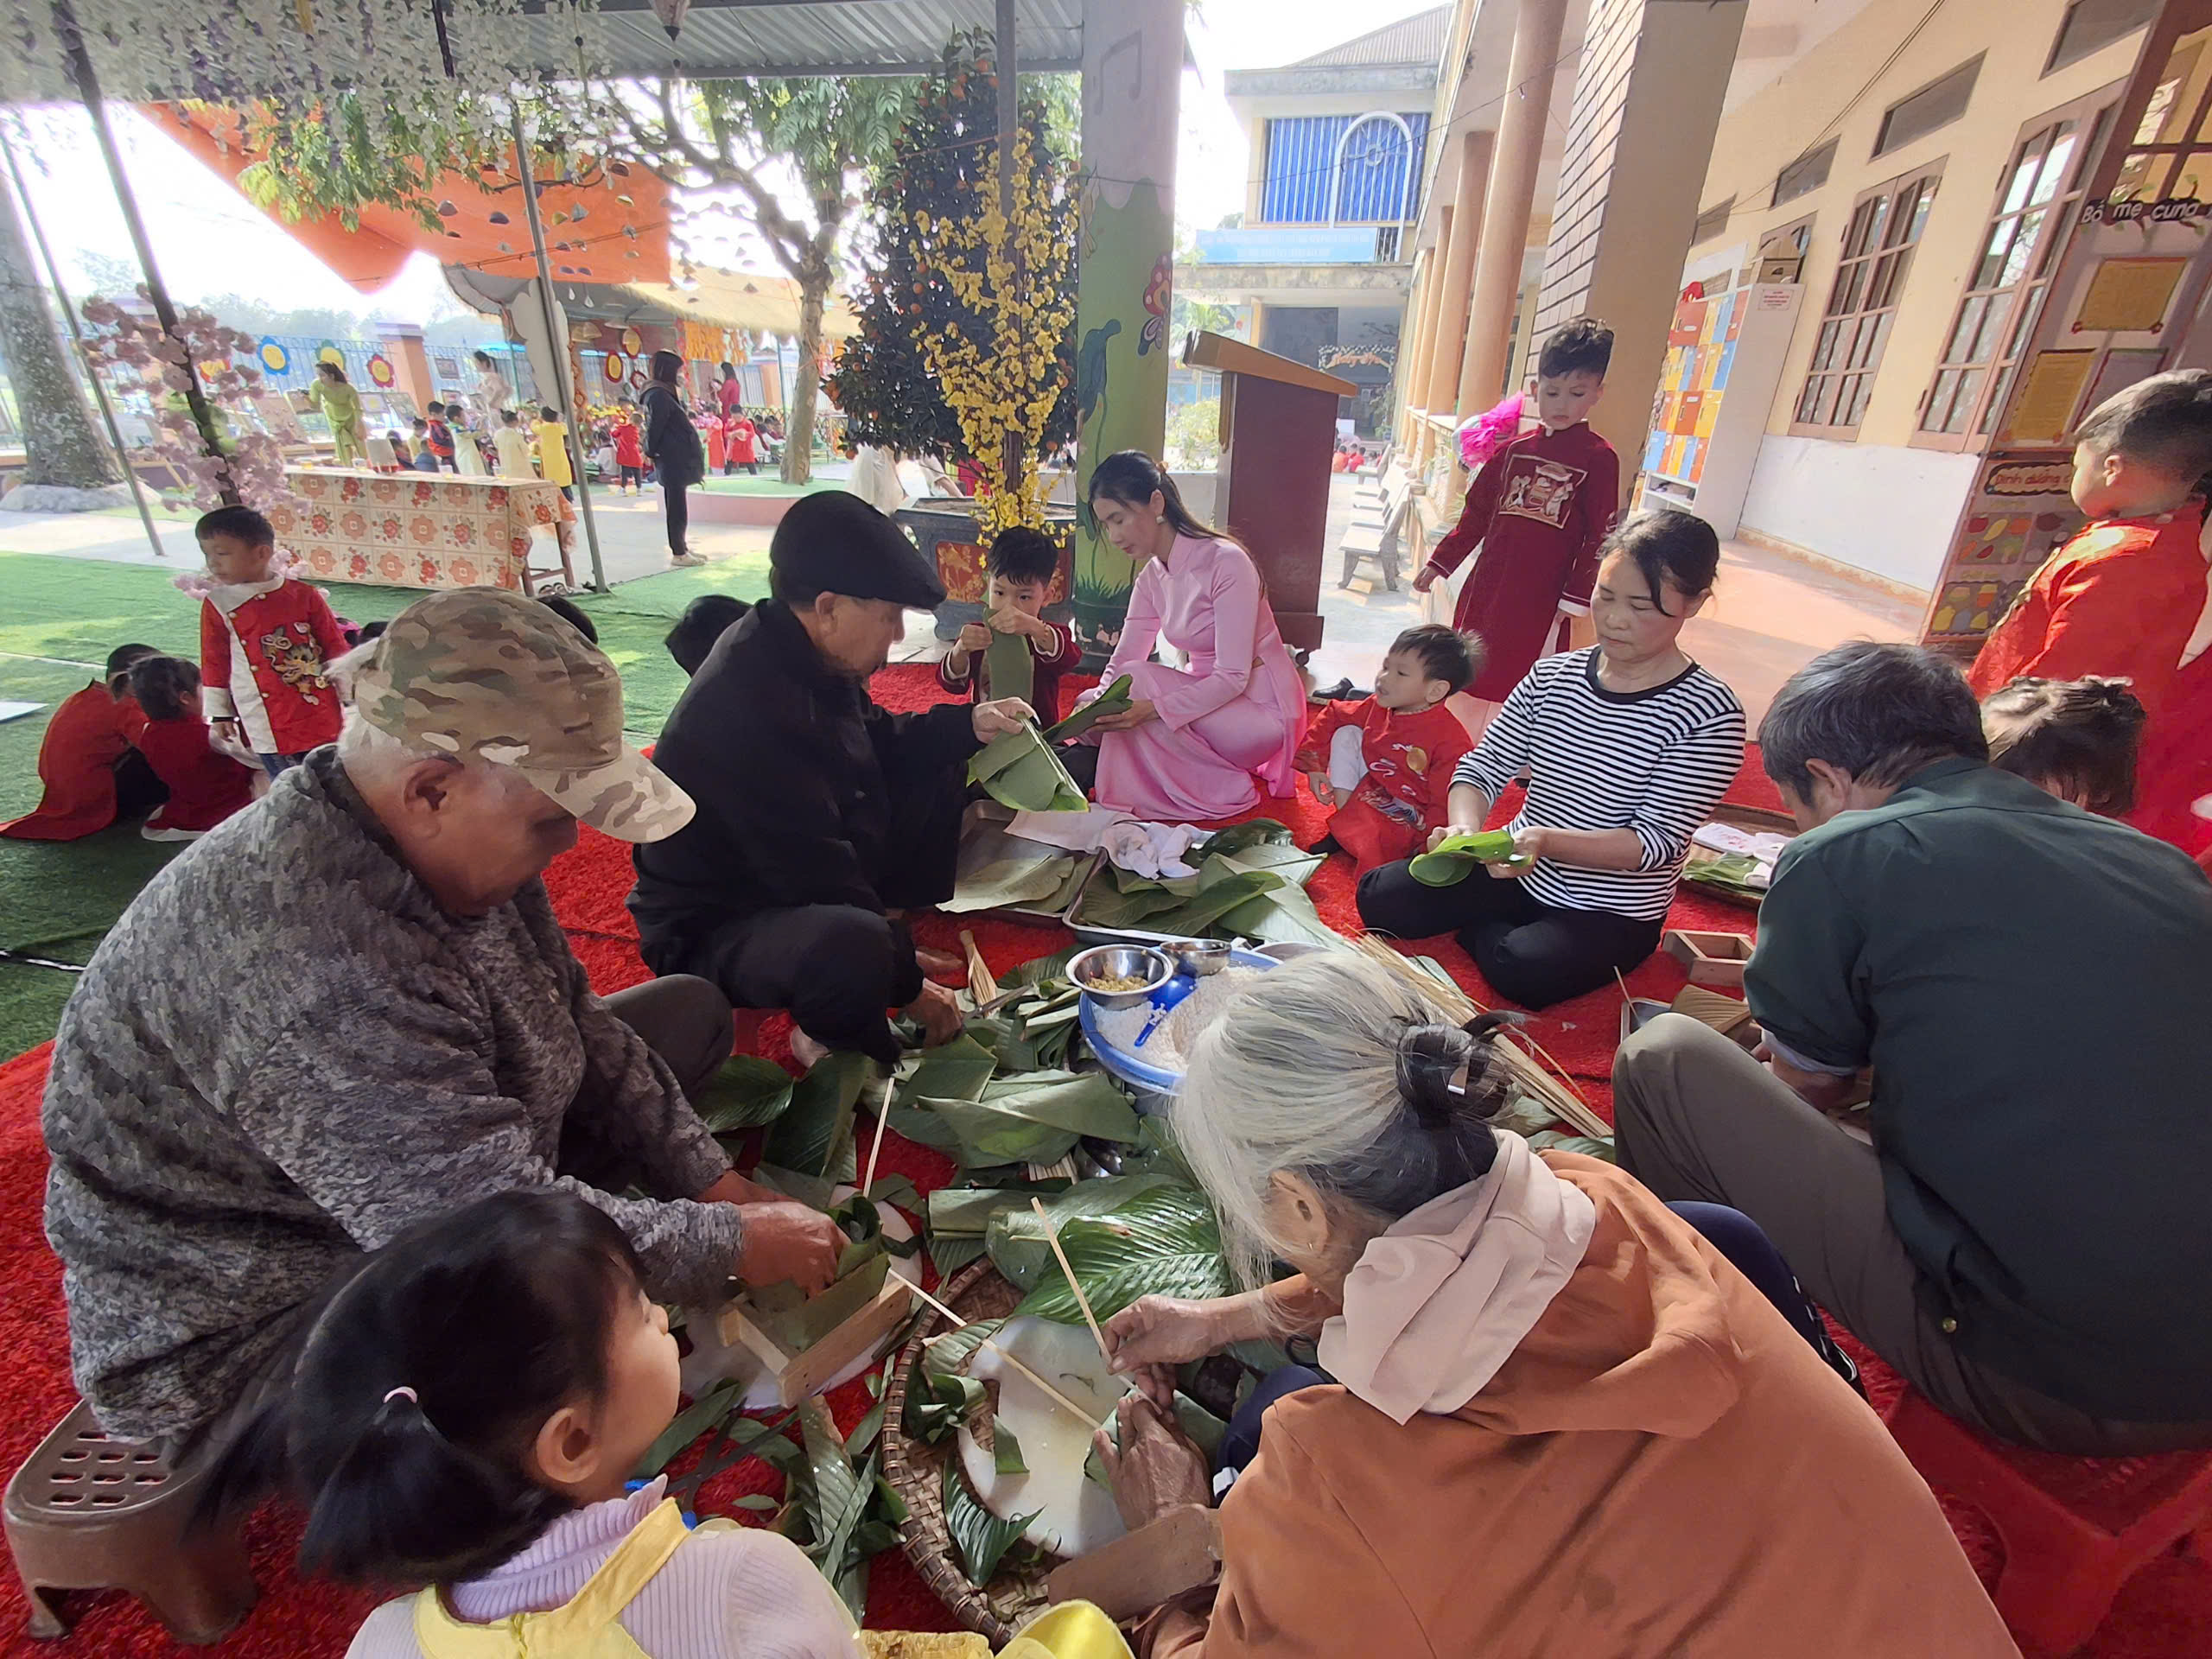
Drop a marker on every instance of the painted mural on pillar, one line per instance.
(1120, 382)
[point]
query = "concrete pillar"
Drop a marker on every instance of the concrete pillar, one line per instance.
(1413, 349)
(1467, 243)
(1669, 110)
(1417, 388)
(1512, 194)
(1132, 74)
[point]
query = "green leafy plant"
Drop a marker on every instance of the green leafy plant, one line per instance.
(1010, 666)
(980, 1536)
(813, 1136)
(1019, 769)
(746, 1093)
(1036, 1118)
(1114, 700)
(1165, 1241)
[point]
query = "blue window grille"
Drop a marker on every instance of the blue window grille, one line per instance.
(1343, 169)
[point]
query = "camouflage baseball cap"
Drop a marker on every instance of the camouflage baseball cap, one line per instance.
(484, 673)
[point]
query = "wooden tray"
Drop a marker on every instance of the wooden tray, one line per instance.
(916, 1472)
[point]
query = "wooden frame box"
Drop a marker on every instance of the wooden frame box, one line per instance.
(1711, 958)
(801, 1375)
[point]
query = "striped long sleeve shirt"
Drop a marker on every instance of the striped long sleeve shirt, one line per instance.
(1655, 762)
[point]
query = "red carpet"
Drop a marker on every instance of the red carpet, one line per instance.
(2164, 1613)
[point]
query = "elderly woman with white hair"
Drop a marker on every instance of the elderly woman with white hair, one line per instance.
(1556, 1420)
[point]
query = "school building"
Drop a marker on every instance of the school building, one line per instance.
(1869, 261)
(1317, 267)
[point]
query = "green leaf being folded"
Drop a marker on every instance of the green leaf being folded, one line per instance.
(1010, 667)
(1114, 700)
(1166, 1241)
(748, 1092)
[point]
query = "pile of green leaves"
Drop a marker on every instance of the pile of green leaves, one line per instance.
(1030, 1117)
(1250, 884)
(1044, 880)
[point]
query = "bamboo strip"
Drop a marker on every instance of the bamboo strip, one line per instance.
(953, 1314)
(882, 1117)
(1052, 1237)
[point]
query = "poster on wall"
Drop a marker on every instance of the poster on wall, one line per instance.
(2129, 296)
(2044, 410)
(2022, 509)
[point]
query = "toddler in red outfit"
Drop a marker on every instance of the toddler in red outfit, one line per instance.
(205, 784)
(266, 643)
(1385, 762)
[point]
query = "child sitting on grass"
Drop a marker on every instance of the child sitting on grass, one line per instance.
(1021, 565)
(205, 785)
(2074, 739)
(1385, 763)
(464, 1414)
(266, 643)
(89, 766)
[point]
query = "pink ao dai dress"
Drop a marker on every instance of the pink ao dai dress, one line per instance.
(1238, 709)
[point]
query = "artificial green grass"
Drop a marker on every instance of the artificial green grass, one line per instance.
(64, 615)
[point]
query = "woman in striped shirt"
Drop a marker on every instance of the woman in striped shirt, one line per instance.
(1629, 746)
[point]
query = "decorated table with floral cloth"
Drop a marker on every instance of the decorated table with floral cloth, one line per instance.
(415, 530)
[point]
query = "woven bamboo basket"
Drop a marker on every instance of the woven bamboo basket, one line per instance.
(916, 1472)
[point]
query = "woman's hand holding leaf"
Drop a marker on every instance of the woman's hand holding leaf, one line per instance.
(1155, 1468)
(997, 718)
(1437, 837)
(1528, 846)
(1137, 714)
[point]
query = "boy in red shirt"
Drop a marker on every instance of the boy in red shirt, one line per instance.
(1539, 509)
(1385, 762)
(2125, 595)
(1022, 563)
(88, 762)
(266, 643)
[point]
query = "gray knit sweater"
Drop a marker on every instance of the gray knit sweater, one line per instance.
(284, 1053)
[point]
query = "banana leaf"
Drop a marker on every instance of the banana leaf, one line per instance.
(1588, 1145)
(1190, 907)
(1731, 873)
(1242, 837)
(695, 1419)
(1456, 857)
(814, 1136)
(954, 1070)
(1009, 667)
(1016, 1241)
(1036, 1119)
(1114, 700)
(748, 1092)
(815, 1190)
(1166, 1241)
(836, 1500)
(980, 1536)
(1025, 880)
(1033, 975)
(1018, 770)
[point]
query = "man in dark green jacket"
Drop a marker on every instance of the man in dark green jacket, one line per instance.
(2031, 986)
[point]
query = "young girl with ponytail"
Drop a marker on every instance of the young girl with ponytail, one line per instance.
(465, 1413)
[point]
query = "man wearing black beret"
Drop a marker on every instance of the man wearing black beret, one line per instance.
(820, 818)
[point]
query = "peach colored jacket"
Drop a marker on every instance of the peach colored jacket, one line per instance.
(1663, 1467)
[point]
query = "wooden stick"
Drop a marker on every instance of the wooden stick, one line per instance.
(1623, 983)
(960, 1323)
(882, 1117)
(1052, 1237)
(980, 985)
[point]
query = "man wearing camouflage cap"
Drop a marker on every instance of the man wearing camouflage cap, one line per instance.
(350, 1007)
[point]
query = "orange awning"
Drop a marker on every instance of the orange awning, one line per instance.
(611, 226)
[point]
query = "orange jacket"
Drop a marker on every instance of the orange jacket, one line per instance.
(1663, 1466)
(2122, 597)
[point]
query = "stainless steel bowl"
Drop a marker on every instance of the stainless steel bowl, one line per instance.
(1199, 957)
(1120, 962)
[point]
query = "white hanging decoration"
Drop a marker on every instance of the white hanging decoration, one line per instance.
(389, 53)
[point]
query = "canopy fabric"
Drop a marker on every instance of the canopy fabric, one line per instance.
(743, 300)
(610, 227)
